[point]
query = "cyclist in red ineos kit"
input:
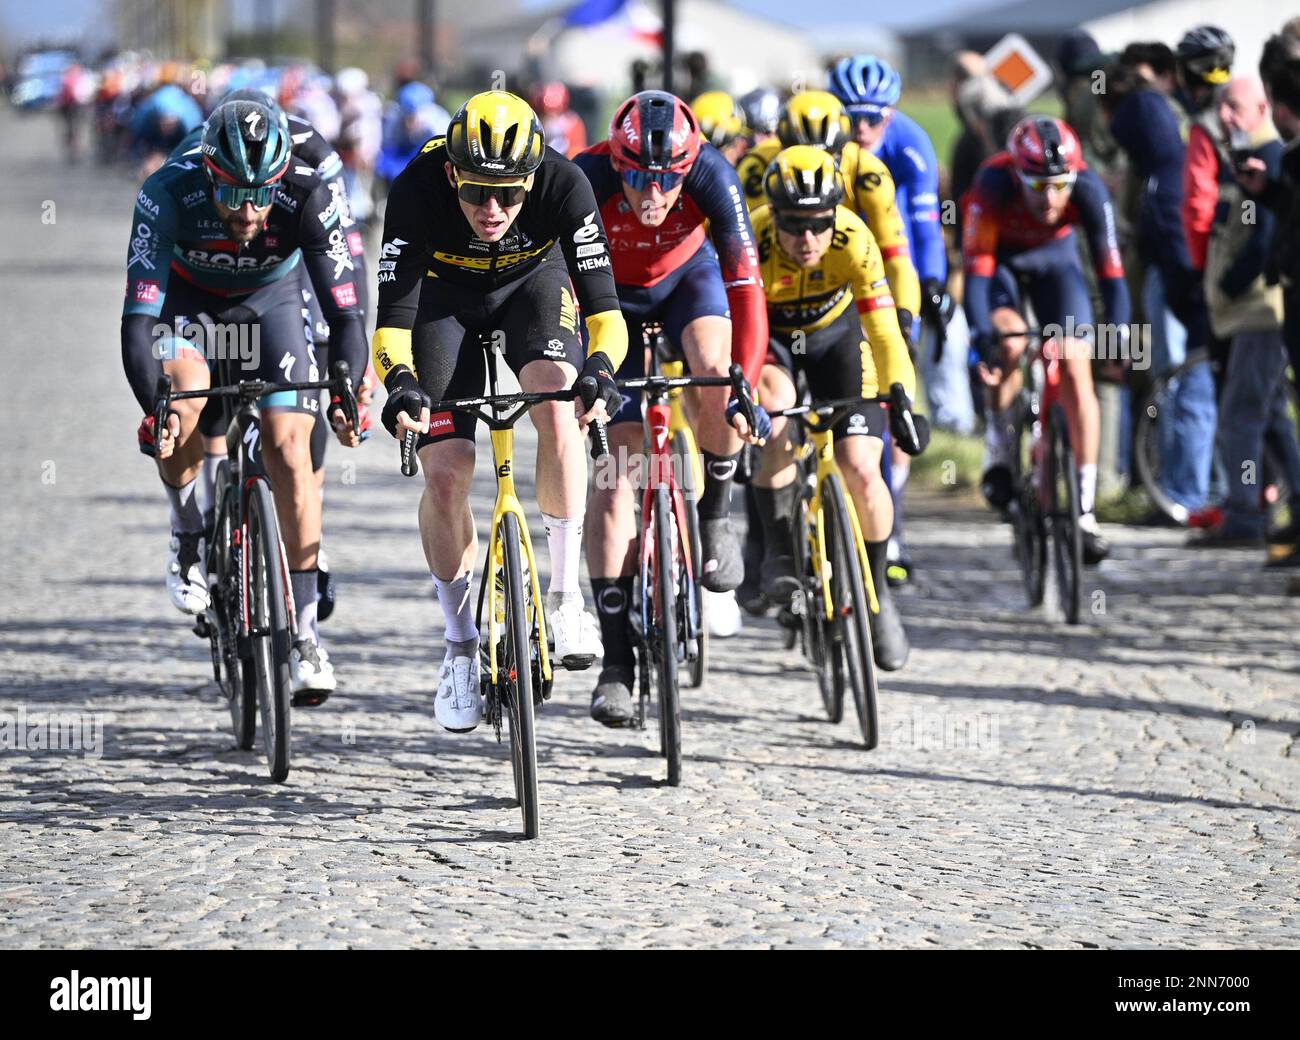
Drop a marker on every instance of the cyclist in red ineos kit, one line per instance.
(683, 255)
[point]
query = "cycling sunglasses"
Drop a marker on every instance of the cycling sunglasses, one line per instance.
(232, 195)
(1042, 185)
(873, 114)
(477, 194)
(639, 180)
(797, 225)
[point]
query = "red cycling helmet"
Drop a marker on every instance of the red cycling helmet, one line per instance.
(654, 131)
(549, 98)
(1041, 146)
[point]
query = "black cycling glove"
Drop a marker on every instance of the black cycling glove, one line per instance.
(911, 432)
(404, 395)
(596, 383)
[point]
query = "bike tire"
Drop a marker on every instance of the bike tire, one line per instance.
(1027, 524)
(697, 665)
(1146, 435)
(268, 605)
(664, 637)
(239, 683)
(812, 615)
(1067, 535)
(514, 668)
(849, 592)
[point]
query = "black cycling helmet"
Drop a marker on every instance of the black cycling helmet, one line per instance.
(803, 178)
(761, 108)
(247, 142)
(1205, 55)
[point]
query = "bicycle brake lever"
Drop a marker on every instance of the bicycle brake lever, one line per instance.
(599, 440)
(740, 390)
(408, 453)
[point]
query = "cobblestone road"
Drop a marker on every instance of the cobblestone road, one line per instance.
(1135, 781)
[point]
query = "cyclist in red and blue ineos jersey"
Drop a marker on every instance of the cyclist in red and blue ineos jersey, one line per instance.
(1018, 236)
(684, 255)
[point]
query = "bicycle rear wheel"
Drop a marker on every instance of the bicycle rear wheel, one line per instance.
(1028, 527)
(1067, 535)
(851, 607)
(698, 628)
(514, 668)
(663, 636)
(268, 607)
(238, 676)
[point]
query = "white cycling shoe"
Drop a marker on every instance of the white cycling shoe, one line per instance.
(458, 707)
(575, 635)
(721, 613)
(187, 579)
(313, 674)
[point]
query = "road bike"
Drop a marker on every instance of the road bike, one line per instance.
(1045, 507)
(669, 621)
(251, 622)
(516, 666)
(829, 612)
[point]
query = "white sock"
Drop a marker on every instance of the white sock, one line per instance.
(208, 481)
(1087, 487)
(997, 452)
(564, 538)
(457, 610)
(304, 585)
(187, 517)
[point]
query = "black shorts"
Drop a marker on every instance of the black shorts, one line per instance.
(536, 319)
(836, 360)
(280, 349)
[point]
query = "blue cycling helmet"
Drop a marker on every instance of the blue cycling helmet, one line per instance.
(865, 80)
(413, 97)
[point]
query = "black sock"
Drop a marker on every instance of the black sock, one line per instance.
(776, 511)
(719, 474)
(613, 598)
(878, 558)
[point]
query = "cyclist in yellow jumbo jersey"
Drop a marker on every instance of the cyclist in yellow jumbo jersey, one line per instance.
(831, 316)
(722, 123)
(817, 118)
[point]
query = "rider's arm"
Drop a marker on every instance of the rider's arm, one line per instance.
(335, 274)
(716, 190)
(918, 191)
(586, 252)
(979, 243)
(1200, 192)
(873, 198)
(1097, 213)
(877, 312)
(1248, 264)
(402, 266)
(149, 253)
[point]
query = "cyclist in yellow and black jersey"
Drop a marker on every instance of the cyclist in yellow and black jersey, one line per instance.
(490, 233)
(832, 317)
(817, 118)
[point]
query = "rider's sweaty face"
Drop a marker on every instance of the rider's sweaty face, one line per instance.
(806, 248)
(869, 136)
(490, 221)
(244, 223)
(652, 204)
(1048, 206)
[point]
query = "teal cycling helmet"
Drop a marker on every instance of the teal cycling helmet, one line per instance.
(865, 81)
(246, 143)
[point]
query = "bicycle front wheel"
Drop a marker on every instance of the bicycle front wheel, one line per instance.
(817, 644)
(238, 676)
(1027, 525)
(268, 606)
(1067, 535)
(697, 657)
(514, 668)
(664, 638)
(851, 608)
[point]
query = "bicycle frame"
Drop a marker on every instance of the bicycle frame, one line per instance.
(658, 421)
(1041, 368)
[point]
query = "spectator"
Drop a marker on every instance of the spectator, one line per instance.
(1245, 308)
(361, 133)
(1155, 62)
(1144, 124)
(409, 122)
(562, 126)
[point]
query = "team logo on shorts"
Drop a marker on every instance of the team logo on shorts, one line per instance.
(568, 311)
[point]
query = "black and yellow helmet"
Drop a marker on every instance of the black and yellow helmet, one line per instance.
(496, 134)
(814, 117)
(803, 178)
(720, 118)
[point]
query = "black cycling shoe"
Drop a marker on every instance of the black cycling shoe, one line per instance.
(1095, 546)
(723, 567)
(779, 578)
(888, 638)
(611, 700)
(996, 487)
